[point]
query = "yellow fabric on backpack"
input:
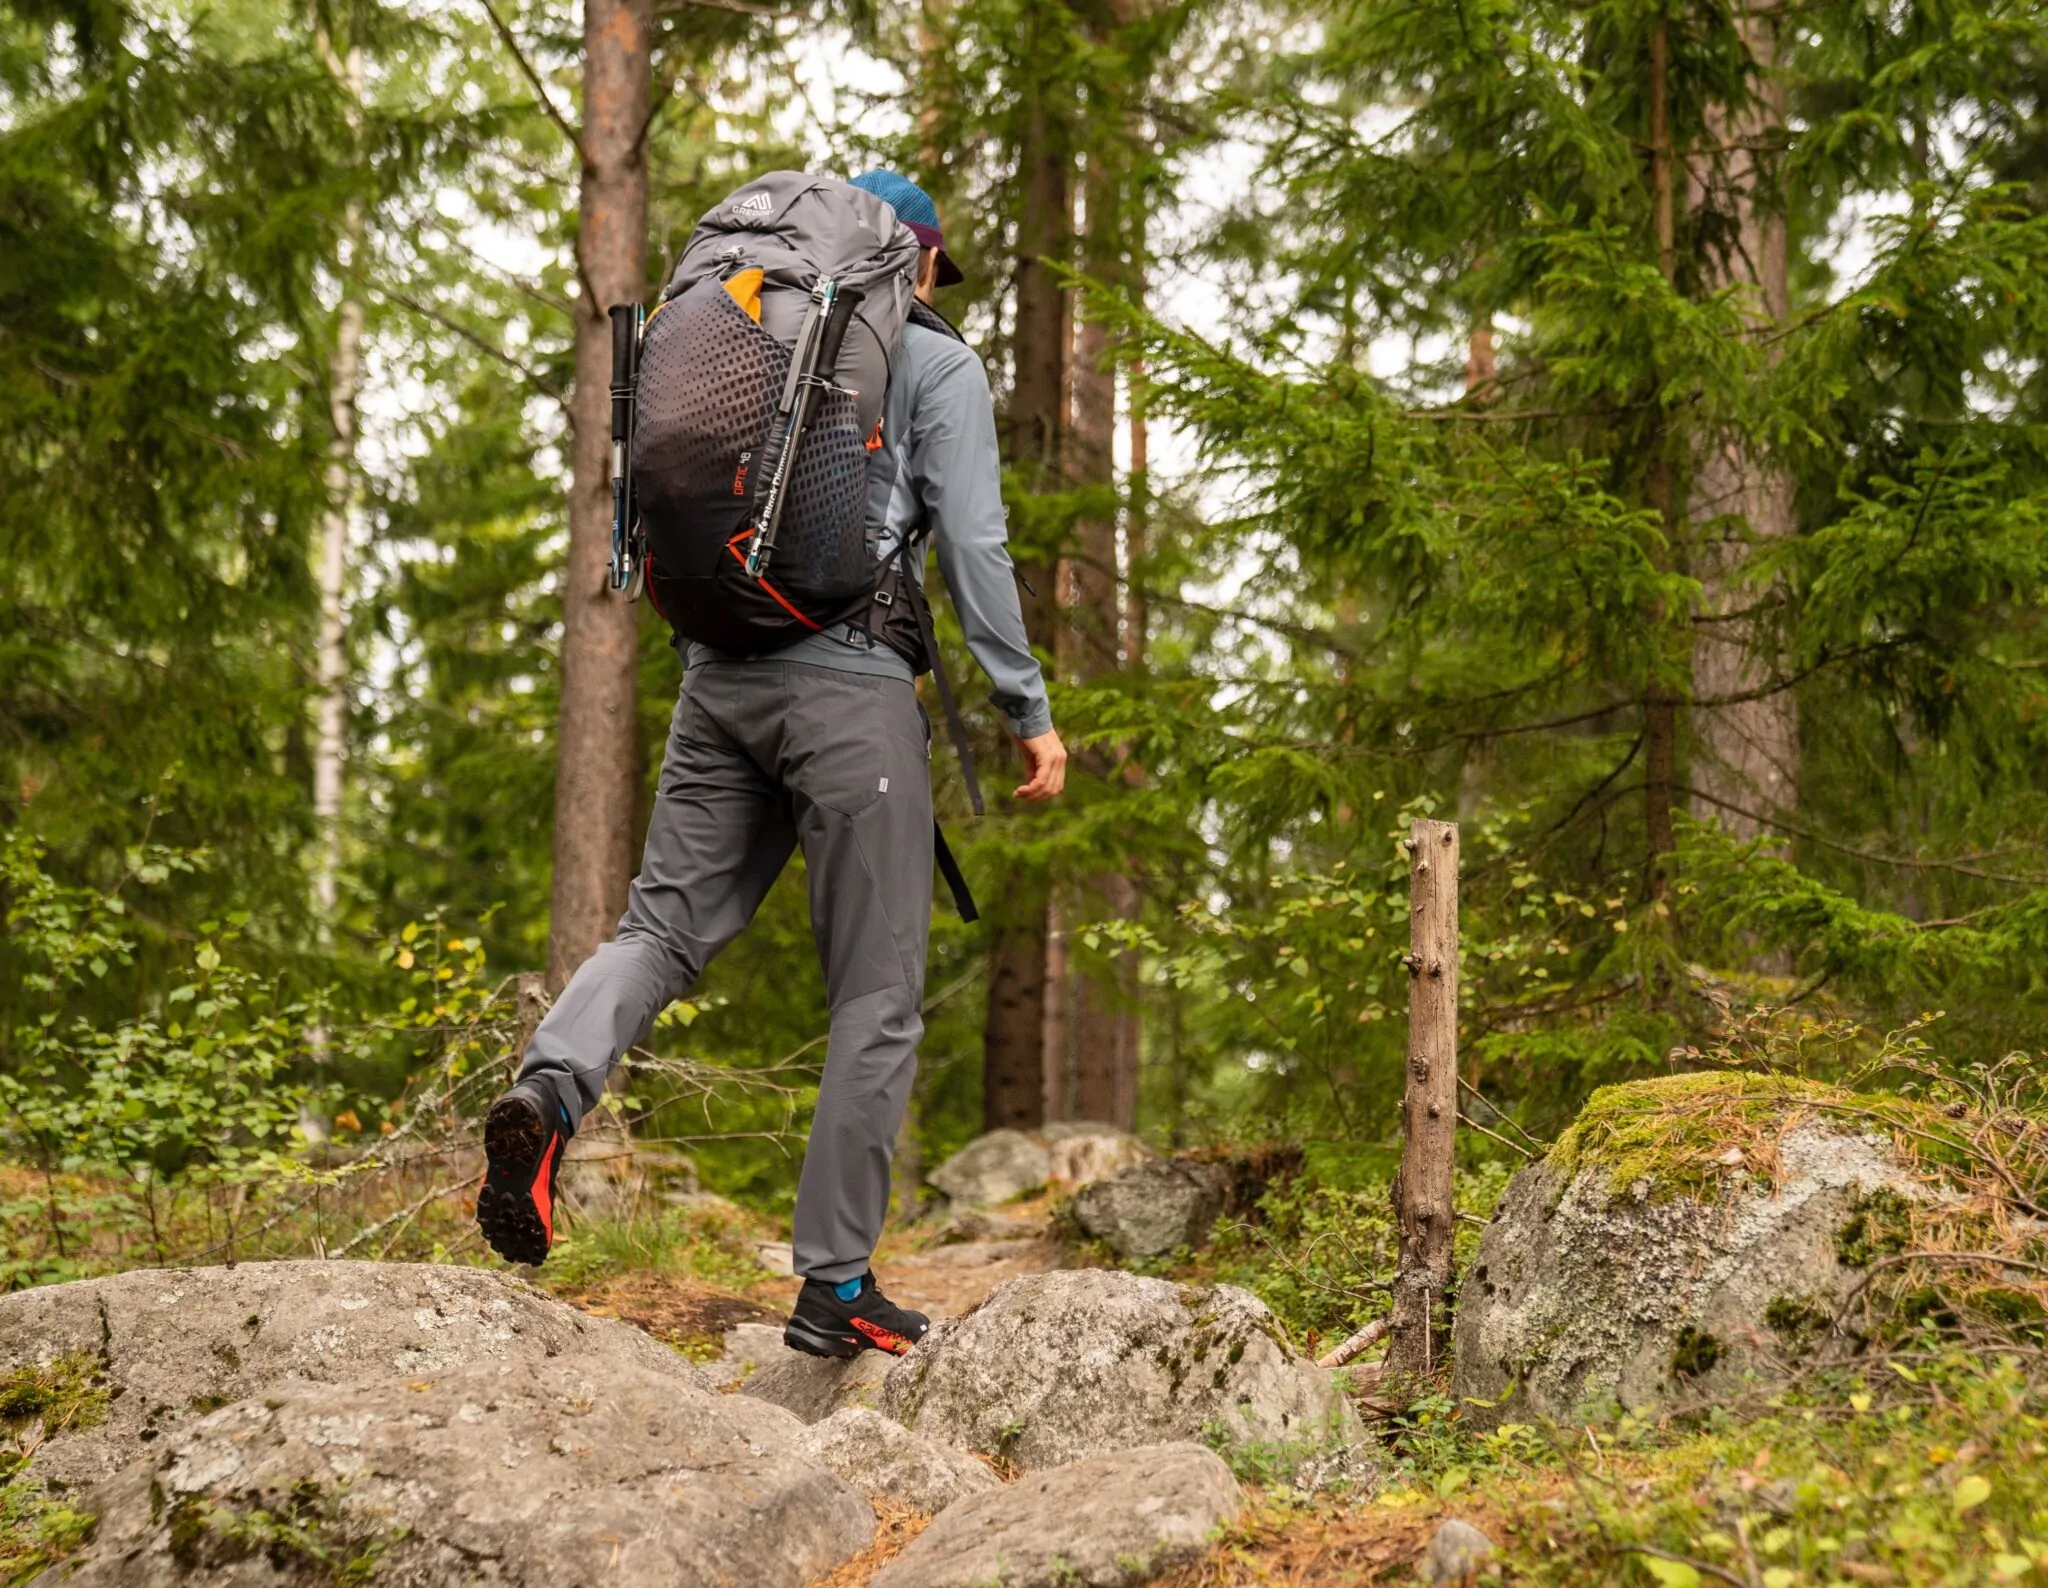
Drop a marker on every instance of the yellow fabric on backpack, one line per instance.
(745, 288)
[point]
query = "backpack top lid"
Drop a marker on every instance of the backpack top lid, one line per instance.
(795, 228)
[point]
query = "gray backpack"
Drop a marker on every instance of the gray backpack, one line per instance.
(755, 406)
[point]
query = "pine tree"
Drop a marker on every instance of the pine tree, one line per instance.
(1694, 515)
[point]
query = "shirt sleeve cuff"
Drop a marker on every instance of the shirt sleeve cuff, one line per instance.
(1037, 719)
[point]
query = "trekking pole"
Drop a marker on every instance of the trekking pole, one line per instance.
(811, 374)
(625, 318)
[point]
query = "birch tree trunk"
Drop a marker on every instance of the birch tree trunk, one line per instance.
(344, 389)
(1745, 766)
(595, 757)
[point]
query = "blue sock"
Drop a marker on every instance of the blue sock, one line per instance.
(848, 1289)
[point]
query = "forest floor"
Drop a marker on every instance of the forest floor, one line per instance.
(1936, 1477)
(1930, 1468)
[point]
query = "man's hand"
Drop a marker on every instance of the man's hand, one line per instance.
(1045, 759)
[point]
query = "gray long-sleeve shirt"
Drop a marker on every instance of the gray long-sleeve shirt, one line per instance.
(939, 462)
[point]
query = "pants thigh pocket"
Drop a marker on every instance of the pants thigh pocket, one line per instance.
(840, 742)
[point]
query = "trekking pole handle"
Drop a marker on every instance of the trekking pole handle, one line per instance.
(844, 303)
(625, 318)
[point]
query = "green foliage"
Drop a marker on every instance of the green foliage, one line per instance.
(716, 1245)
(36, 1533)
(1319, 1256)
(1945, 1489)
(202, 1095)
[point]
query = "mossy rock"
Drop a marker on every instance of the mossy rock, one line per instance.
(1714, 1133)
(1688, 1237)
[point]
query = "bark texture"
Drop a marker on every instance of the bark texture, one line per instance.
(1102, 1021)
(1660, 701)
(1013, 1028)
(1745, 766)
(344, 389)
(1429, 1105)
(596, 760)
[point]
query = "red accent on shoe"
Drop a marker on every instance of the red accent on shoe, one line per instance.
(543, 1196)
(885, 1339)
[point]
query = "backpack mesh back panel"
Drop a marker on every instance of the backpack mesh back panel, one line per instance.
(709, 382)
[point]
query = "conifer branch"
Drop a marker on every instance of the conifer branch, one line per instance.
(1899, 862)
(533, 78)
(481, 343)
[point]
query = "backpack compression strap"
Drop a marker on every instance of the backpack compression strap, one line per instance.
(949, 868)
(956, 879)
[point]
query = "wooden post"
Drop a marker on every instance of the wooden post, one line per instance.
(1429, 1105)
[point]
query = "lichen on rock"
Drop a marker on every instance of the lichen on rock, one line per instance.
(1685, 1237)
(1053, 1368)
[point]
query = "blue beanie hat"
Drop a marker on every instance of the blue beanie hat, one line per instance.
(913, 207)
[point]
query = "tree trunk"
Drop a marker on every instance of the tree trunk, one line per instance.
(344, 387)
(595, 755)
(1745, 766)
(1057, 1045)
(1104, 1034)
(1429, 1106)
(1660, 702)
(1013, 1029)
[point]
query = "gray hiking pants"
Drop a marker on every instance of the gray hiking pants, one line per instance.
(763, 756)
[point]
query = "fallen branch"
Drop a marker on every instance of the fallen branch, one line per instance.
(1371, 1334)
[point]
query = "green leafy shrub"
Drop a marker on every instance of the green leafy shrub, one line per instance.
(1320, 1256)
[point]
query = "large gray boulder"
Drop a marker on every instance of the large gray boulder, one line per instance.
(1150, 1209)
(886, 1461)
(993, 1168)
(1081, 1152)
(155, 1348)
(1687, 1236)
(757, 1363)
(1058, 1367)
(814, 1387)
(575, 1473)
(1103, 1523)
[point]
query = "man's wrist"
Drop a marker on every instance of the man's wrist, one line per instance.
(1034, 723)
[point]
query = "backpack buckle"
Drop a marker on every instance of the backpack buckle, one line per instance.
(883, 598)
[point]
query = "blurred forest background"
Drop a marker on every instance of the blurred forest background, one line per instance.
(1619, 426)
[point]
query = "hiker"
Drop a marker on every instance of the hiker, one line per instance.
(822, 743)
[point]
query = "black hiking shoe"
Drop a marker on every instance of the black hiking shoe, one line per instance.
(823, 1325)
(524, 1136)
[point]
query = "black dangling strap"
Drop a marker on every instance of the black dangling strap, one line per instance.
(956, 879)
(954, 726)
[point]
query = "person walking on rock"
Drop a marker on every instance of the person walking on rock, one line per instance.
(820, 743)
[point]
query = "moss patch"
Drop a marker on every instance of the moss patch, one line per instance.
(1879, 1225)
(1798, 1321)
(1695, 1353)
(304, 1537)
(61, 1396)
(1700, 1135)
